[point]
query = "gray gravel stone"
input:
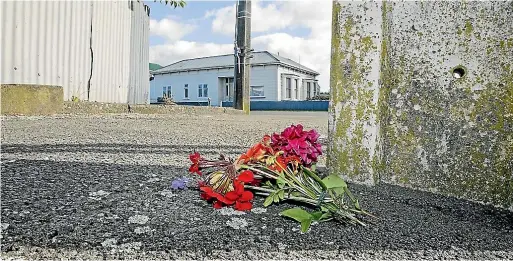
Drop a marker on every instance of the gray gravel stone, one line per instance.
(138, 219)
(237, 223)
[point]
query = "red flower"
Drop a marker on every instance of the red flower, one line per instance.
(240, 197)
(194, 168)
(246, 176)
(295, 141)
(219, 199)
(195, 158)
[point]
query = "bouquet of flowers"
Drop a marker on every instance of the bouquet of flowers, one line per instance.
(279, 167)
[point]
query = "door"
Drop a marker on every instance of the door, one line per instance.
(228, 89)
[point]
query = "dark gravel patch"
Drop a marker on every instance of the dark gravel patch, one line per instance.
(48, 204)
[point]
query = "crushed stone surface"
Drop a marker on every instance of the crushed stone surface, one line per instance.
(52, 165)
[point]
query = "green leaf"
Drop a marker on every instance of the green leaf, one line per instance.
(280, 182)
(281, 194)
(316, 215)
(305, 224)
(269, 200)
(313, 167)
(325, 216)
(335, 184)
(334, 181)
(297, 214)
(276, 198)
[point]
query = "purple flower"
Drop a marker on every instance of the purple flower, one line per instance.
(180, 183)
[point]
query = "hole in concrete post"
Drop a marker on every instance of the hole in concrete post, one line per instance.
(458, 72)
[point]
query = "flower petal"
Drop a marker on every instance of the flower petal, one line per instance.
(206, 189)
(246, 196)
(238, 187)
(205, 196)
(218, 204)
(243, 206)
(246, 176)
(232, 195)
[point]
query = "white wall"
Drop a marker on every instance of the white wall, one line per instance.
(294, 74)
(50, 42)
(260, 76)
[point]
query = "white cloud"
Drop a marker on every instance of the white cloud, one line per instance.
(314, 50)
(271, 17)
(172, 52)
(170, 29)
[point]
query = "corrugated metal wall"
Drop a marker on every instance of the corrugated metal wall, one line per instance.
(139, 85)
(58, 42)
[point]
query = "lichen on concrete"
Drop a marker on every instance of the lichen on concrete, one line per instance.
(353, 131)
(27, 99)
(437, 132)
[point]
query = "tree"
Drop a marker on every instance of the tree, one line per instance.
(174, 3)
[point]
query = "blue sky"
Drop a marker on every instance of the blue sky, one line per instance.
(195, 11)
(205, 28)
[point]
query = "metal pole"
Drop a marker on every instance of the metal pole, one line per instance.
(242, 55)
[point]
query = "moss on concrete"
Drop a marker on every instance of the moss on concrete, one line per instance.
(21, 99)
(438, 133)
(352, 96)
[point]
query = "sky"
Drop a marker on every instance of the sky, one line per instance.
(298, 30)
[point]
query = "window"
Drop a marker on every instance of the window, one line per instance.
(167, 91)
(289, 88)
(202, 90)
(257, 91)
(297, 89)
(227, 87)
(186, 91)
(308, 90)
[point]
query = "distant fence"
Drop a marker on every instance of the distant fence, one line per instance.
(285, 105)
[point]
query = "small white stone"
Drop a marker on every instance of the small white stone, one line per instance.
(237, 223)
(99, 193)
(111, 242)
(282, 246)
(4, 226)
(142, 230)
(153, 180)
(167, 193)
(416, 107)
(230, 212)
(279, 230)
(138, 219)
(258, 210)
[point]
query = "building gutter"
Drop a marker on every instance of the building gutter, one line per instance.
(231, 67)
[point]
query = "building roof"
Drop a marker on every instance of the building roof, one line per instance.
(228, 60)
(154, 66)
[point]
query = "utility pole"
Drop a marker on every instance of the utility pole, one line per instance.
(242, 55)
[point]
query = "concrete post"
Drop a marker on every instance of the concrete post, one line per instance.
(422, 96)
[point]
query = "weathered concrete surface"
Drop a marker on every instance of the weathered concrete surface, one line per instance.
(99, 187)
(437, 132)
(101, 107)
(31, 99)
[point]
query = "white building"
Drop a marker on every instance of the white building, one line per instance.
(272, 78)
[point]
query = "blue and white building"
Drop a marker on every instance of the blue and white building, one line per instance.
(272, 78)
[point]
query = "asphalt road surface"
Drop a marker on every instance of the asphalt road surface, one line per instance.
(98, 187)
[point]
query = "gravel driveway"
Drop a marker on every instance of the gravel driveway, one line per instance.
(98, 187)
